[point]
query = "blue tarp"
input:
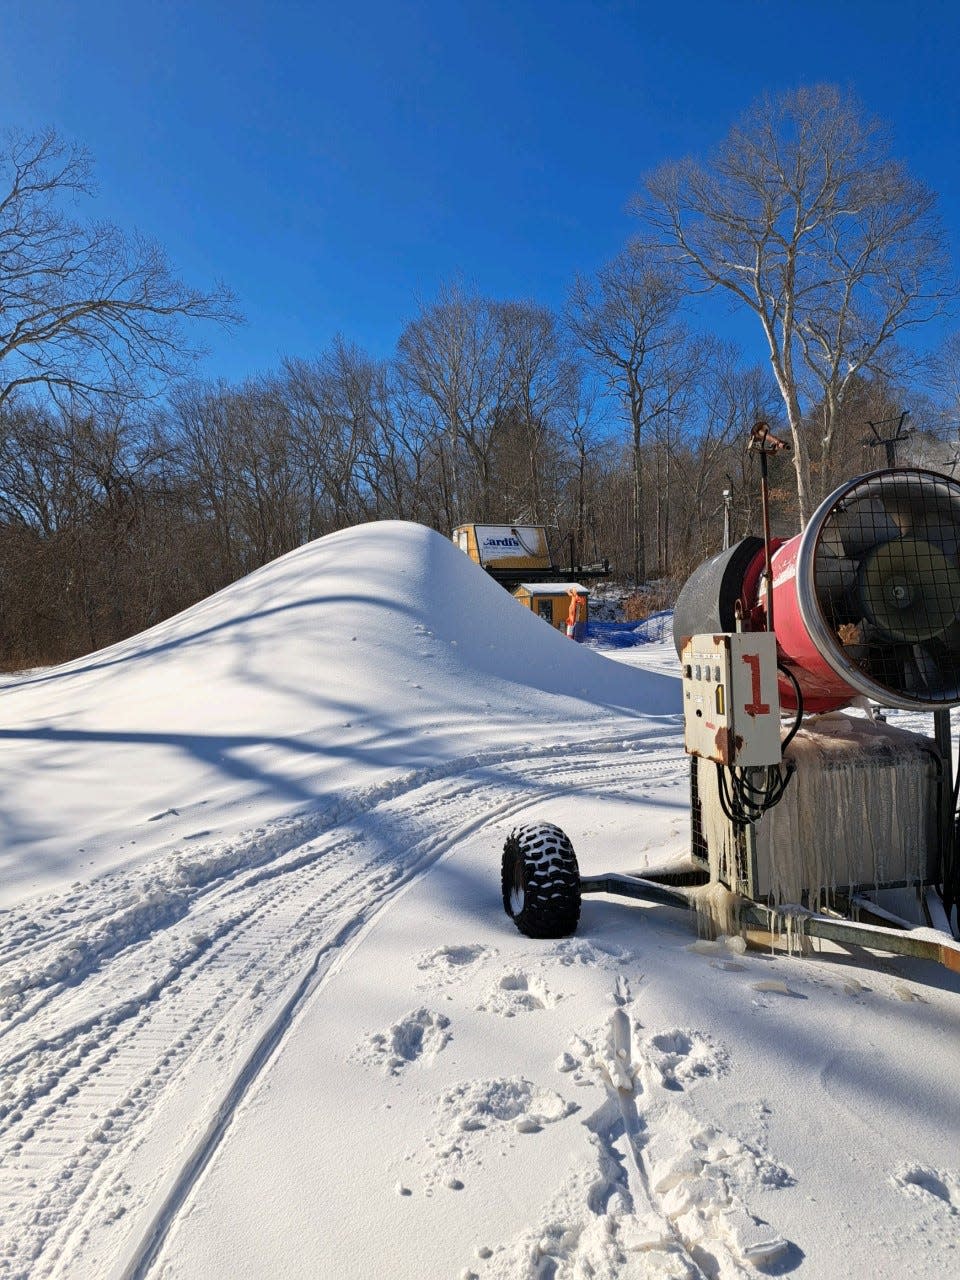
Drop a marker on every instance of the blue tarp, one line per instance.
(624, 635)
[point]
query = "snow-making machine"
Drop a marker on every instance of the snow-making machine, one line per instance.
(814, 814)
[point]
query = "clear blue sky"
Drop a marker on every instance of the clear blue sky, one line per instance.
(336, 162)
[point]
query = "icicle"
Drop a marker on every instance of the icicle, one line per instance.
(717, 911)
(861, 809)
(849, 814)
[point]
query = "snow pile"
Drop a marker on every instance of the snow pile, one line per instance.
(358, 656)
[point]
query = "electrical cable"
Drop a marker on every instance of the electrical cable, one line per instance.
(798, 694)
(743, 800)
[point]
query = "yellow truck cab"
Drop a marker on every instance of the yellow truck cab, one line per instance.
(565, 605)
(509, 553)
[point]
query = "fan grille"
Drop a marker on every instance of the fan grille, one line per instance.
(886, 575)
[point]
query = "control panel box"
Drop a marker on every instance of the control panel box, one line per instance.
(731, 704)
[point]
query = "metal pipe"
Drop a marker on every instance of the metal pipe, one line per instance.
(926, 944)
(767, 553)
(941, 949)
(764, 442)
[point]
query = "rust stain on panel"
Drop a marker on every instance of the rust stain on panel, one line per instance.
(725, 746)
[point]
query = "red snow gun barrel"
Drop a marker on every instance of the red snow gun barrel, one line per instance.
(865, 600)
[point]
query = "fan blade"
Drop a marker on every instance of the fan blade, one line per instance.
(942, 530)
(863, 525)
(950, 640)
(921, 671)
(835, 575)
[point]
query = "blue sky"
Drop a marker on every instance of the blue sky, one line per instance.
(335, 163)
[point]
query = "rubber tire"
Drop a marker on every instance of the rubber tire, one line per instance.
(540, 881)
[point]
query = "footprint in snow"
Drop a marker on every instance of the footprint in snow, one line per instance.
(702, 1177)
(942, 1185)
(594, 954)
(418, 1035)
(478, 1112)
(517, 992)
(682, 1056)
(677, 1195)
(621, 991)
(449, 964)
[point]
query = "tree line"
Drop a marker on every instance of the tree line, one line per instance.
(129, 491)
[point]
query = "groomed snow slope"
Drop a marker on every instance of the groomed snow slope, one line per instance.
(261, 1013)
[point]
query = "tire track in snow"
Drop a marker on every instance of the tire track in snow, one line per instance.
(98, 1077)
(45, 1029)
(326, 963)
(90, 923)
(138, 1264)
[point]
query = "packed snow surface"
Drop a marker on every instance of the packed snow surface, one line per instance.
(261, 1012)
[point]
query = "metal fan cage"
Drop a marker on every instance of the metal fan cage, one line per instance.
(878, 585)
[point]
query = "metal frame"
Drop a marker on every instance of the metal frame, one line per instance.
(794, 923)
(679, 887)
(797, 923)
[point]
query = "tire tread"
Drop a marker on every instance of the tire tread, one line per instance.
(542, 856)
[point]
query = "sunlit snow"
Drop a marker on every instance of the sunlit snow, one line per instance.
(262, 1013)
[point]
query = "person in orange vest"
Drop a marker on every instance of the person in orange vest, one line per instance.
(574, 621)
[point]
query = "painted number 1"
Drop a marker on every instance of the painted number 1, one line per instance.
(755, 707)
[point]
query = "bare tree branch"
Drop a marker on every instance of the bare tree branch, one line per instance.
(803, 216)
(84, 307)
(626, 321)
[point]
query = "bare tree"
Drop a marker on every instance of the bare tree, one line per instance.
(453, 357)
(586, 444)
(626, 321)
(330, 403)
(713, 455)
(541, 386)
(944, 375)
(206, 449)
(79, 497)
(803, 217)
(84, 309)
(396, 462)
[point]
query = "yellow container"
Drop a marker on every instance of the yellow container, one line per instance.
(553, 601)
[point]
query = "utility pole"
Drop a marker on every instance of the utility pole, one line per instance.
(889, 442)
(763, 442)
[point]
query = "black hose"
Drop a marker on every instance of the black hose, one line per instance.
(742, 801)
(799, 696)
